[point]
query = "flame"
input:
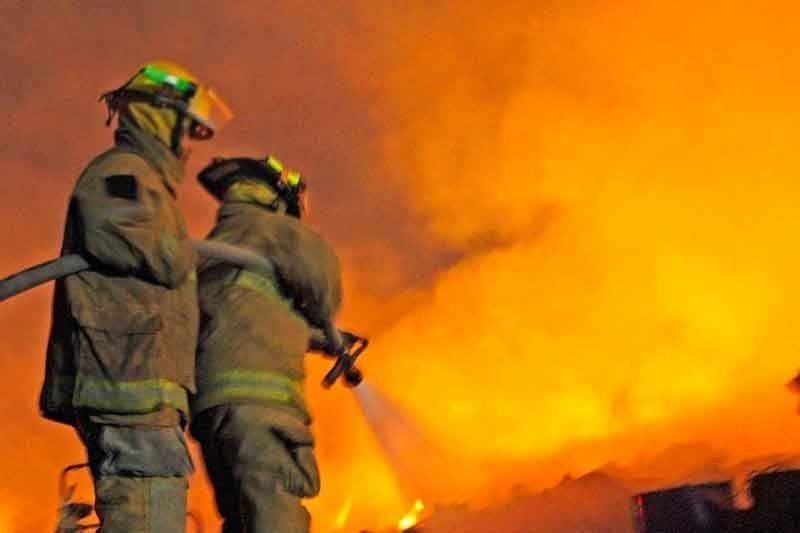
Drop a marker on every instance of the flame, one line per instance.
(412, 517)
(343, 515)
(618, 218)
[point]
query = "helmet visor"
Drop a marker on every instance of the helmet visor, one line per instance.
(209, 111)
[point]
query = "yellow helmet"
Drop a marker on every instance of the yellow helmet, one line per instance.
(164, 83)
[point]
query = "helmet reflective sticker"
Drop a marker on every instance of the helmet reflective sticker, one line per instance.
(295, 193)
(162, 76)
(274, 164)
(293, 178)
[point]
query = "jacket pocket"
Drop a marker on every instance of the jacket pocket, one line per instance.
(117, 345)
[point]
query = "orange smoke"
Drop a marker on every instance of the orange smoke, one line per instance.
(621, 187)
(5, 521)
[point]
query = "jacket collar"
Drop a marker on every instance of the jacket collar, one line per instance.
(133, 138)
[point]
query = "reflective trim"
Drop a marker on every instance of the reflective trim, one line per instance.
(158, 75)
(258, 283)
(249, 385)
(170, 244)
(143, 396)
(274, 164)
(293, 178)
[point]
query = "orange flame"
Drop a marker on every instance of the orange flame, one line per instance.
(412, 517)
(619, 214)
(343, 515)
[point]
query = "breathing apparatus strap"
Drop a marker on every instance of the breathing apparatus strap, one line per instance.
(177, 133)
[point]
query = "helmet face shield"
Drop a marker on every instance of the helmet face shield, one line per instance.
(209, 111)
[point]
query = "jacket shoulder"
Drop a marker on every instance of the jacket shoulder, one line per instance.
(117, 162)
(309, 239)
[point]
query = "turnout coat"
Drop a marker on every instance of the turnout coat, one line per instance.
(123, 332)
(255, 327)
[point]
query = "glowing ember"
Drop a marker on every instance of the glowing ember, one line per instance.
(411, 519)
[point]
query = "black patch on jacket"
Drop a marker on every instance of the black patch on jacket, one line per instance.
(122, 186)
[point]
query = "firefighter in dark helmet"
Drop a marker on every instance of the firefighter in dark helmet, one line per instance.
(120, 358)
(249, 414)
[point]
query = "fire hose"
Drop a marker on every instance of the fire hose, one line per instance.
(345, 352)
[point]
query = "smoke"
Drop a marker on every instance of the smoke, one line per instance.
(620, 186)
(5, 520)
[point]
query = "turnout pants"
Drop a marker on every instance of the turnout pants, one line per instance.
(139, 477)
(261, 463)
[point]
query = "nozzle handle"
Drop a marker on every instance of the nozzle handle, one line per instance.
(346, 356)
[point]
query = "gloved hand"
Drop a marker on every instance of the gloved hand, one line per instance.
(319, 342)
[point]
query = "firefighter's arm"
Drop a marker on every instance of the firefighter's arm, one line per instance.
(313, 275)
(122, 229)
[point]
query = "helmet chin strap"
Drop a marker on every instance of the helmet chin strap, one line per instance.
(178, 131)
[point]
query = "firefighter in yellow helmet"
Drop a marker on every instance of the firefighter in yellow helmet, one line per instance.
(249, 413)
(120, 358)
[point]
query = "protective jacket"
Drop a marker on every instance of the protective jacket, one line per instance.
(254, 326)
(123, 333)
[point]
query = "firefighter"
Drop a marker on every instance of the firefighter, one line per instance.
(249, 414)
(120, 357)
